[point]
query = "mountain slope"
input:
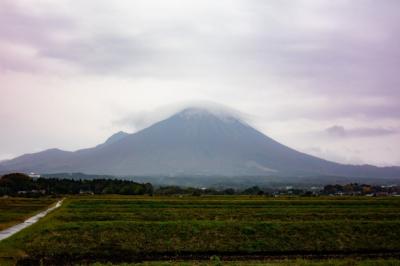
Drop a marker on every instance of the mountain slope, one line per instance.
(192, 142)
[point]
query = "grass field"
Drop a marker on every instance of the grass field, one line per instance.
(128, 229)
(294, 262)
(16, 210)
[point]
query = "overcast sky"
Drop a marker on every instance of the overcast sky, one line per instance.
(320, 76)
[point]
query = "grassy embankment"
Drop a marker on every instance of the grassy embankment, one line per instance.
(123, 229)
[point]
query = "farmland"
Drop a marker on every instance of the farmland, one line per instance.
(135, 228)
(16, 210)
(286, 262)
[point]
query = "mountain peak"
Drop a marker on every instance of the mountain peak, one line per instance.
(115, 137)
(195, 111)
(220, 113)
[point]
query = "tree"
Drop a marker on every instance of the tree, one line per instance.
(15, 182)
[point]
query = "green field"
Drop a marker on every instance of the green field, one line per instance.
(285, 262)
(134, 228)
(16, 210)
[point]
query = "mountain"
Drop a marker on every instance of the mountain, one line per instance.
(114, 138)
(195, 142)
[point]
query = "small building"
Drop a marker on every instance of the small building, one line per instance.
(33, 191)
(33, 175)
(86, 192)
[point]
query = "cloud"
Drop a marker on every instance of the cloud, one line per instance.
(144, 118)
(107, 54)
(23, 33)
(303, 62)
(338, 131)
(320, 47)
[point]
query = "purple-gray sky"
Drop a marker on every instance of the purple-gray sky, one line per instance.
(321, 76)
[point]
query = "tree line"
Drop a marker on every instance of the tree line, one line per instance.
(360, 189)
(18, 184)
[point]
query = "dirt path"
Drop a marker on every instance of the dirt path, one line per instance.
(18, 227)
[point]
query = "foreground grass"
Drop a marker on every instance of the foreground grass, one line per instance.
(127, 229)
(17, 210)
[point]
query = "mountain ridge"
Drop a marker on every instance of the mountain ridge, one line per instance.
(195, 142)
